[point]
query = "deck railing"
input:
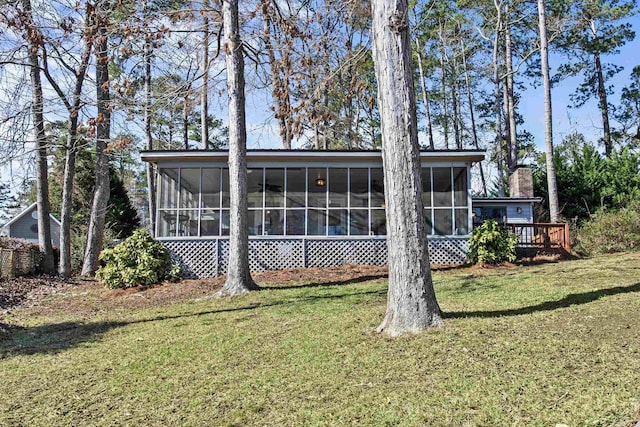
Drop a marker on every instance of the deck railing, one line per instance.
(546, 236)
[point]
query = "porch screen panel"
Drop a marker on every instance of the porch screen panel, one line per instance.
(442, 187)
(338, 188)
(211, 188)
(189, 188)
(168, 202)
(359, 191)
(317, 188)
(337, 222)
(295, 222)
(359, 222)
(296, 187)
(273, 222)
(274, 187)
(377, 188)
(210, 222)
(443, 222)
(316, 222)
(462, 222)
(460, 186)
(378, 222)
(169, 188)
(255, 188)
(225, 188)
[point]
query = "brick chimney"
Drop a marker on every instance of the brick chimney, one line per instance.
(521, 183)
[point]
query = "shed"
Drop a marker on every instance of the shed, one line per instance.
(25, 226)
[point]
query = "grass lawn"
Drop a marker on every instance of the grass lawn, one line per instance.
(536, 345)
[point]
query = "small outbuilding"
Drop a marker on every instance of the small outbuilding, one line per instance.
(25, 226)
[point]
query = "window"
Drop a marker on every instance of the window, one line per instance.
(302, 201)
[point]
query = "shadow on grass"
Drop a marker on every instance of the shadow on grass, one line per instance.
(353, 281)
(569, 300)
(17, 340)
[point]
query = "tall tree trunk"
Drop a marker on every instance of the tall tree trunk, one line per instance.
(512, 143)
(497, 95)
(474, 130)
(280, 93)
(67, 192)
(185, 118)
(445, 114)
(95, 233)
(457, 132)
(425, 98)
(604, 107)
(552, 187)
(151, 181)
(204, 93)
(239, 279)
(42, 168)
(411, 301)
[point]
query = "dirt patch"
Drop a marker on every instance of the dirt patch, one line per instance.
(49, 295)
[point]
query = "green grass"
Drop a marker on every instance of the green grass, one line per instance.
(539, 345)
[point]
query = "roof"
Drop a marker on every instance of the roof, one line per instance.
(26, 211)
(496, 200)
(302, 155)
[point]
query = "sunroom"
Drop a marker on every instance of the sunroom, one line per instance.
(307, 208)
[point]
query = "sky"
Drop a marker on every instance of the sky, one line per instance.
(263, 132)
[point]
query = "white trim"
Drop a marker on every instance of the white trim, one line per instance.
(302, 156)
(26, 211)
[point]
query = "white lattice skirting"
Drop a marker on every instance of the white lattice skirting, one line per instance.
(208, 258)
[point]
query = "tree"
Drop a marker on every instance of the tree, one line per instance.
(95, 232)
(411, 302)
(548, 114)
(7, 202)
(239, 279)
(596, 31)
(34, 40)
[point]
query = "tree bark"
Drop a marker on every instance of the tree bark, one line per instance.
(280, 93)
(151, 182)
(474, 130)
(552, 188)
(497, 95)
(604, 107)
(239, 279)
(457, 131)
(445, 114)
(95, 233)
(425, 98)
(512, 145)
(411, 302)
(42, 168)
(204, 93)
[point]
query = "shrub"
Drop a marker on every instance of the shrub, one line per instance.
(139, 260)
(491, 245)
(608, 232)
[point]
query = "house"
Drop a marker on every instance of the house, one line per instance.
(307, 208)
(516, 209)
(25, 226)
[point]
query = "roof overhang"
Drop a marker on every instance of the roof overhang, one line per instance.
(505, 200)
(27, 210)
(304, 155)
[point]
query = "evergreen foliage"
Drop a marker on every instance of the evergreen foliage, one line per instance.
(490, 244)
(138, 261)
(611, 231)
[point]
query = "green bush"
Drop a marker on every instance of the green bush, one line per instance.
(491, 245)
(139, 260)
(609, 231)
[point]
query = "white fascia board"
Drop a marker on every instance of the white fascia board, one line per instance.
(302, 156)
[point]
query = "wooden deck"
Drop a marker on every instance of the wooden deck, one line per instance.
(542, 236)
